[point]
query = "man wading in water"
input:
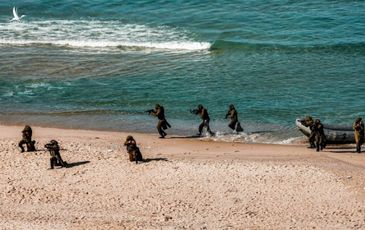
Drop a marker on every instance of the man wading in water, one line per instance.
(203, 113)
(235, 125)
(162, 124)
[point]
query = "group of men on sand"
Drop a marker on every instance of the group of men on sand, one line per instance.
(130, 143)
(52, 147)
(317, 138)
(162, 124)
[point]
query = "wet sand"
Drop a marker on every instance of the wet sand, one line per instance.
(185, 183)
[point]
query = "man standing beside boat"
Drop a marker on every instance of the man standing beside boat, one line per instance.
(320, 137)
(309, 122)
(358, 127)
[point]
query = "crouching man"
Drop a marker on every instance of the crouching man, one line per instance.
(27, 140)
(54, 151)
(132, 149)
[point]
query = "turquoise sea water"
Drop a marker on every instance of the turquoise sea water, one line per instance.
(101, 64)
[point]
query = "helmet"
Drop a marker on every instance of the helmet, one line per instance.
(54, 142)
(309, 118)
(129, 138)
(27, 128)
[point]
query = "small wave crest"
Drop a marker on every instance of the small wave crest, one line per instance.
(39, 85)
(255, 46)
(98, 34)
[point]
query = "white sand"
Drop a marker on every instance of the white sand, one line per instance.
(185, 184)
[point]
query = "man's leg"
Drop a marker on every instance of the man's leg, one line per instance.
(159, 129)
(131, 156)
(60, 161)
(30, 146)
(208, 127)
(311, 140)
(201, 126)
(232, 125)
(138, 154)
(21, 143)
(318, 143)
(239, 127)
(53, 162)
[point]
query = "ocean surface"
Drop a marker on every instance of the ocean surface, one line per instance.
(102, 64)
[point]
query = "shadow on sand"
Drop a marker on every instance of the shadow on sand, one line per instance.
(155, 159)
(41, 150)
(183, 137)
(341, 149)
(70, 165)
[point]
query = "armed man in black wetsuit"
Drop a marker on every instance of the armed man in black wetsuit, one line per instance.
(27, 139)
(54, 151)
(203, 113)
(133, 151)
(320, 137)
(162, 124)
(234, 124)
(309, 122)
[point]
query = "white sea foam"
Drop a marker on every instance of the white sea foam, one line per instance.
(288, 141)
(98, 34)
(8, 94)
(39, 85)
(105, 44)
(253, 138)
(26, 92)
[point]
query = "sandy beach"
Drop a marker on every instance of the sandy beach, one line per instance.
(184, 184)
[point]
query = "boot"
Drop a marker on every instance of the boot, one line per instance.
(32, 146)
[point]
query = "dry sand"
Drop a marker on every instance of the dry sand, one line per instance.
(184, 184)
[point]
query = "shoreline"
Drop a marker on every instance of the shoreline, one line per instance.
(254, 137)
(183, 183)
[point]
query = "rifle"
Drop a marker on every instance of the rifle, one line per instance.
(149, 111)
(194, 111)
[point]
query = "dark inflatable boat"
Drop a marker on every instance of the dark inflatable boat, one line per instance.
(335, 134)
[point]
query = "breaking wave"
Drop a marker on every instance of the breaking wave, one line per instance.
(98, 34)
(192, 46)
